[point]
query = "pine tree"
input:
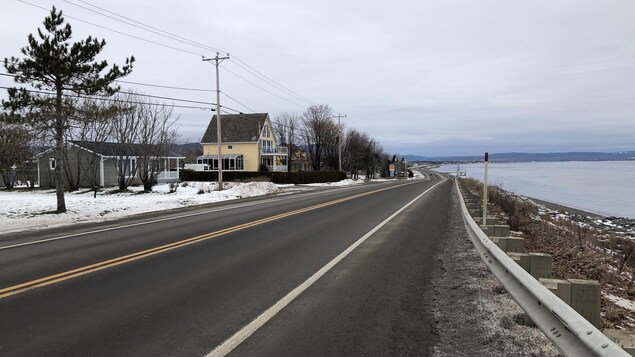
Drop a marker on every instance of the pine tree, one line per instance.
(57, 68)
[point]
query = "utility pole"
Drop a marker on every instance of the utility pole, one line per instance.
(339, 140)
(217, 60)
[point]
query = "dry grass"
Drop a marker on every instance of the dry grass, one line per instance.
(579, 251)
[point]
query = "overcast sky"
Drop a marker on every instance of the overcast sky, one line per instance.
(421, 77)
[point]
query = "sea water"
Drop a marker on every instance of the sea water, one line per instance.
(602, 187)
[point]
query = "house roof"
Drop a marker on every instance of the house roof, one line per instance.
(116, 149)
(236, 128)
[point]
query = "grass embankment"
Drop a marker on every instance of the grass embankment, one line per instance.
(579, 250)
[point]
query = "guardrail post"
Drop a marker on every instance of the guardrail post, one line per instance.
(510, 244)
(585, 299)
(559, 287)
(540, 265)
(522, 259)
(624, 339)
(582, 295)
(498, 230)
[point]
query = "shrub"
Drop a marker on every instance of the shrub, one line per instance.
(302, 177)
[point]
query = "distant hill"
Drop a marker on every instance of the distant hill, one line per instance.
(524, 157)
(190, 150)
(184, 148)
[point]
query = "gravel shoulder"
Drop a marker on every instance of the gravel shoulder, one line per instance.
(473, 315)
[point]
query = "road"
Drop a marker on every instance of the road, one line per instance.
(237, 278)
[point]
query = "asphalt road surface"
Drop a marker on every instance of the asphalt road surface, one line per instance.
(345, 271)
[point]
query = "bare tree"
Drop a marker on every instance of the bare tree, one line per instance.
(319, 135)
(157, 137)
(286, 126)
(125, 131)
(95, 130)
(14, 149)
(90, 128)
(354, 152)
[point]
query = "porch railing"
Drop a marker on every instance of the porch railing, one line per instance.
(280, 150)
(277, 168)
(166, 176)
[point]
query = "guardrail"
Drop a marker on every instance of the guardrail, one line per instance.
(571, 333)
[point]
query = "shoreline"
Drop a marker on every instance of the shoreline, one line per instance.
(624, 226)
(562, 208)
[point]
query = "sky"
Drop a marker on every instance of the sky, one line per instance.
(429, 78)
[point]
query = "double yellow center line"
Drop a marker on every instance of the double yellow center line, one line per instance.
(70, 274)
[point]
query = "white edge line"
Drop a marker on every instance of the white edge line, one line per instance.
(158, 220)
(244, 333)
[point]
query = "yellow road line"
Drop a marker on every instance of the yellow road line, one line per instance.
(56, 278)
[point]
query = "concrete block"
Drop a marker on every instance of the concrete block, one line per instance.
(522, 259)
(585, 299)
(515, 244)
(510, 244)
(501, 245)
(559, 287)
(624, 339)
(498, 230)
(540, 265)
(492, 221)
(501, 230)
(472, 205)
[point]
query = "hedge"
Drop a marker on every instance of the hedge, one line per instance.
(298, 178)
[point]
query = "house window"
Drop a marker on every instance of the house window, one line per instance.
(52, 163)
(266, 132)
(230, 162)
(266, 146)
(127, 166)
(229, 147)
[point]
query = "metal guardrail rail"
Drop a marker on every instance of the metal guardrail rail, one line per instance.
(571, 333)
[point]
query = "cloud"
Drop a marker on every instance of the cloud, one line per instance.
(453, 76)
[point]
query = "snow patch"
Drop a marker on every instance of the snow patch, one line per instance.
(625, 303)
(33, 210)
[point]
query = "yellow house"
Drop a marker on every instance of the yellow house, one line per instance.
(247, 144)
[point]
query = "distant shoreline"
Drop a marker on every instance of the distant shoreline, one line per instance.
(558, 207)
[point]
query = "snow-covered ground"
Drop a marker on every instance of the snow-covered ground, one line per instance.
(33, 210)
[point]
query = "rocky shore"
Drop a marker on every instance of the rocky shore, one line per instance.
(623, 226)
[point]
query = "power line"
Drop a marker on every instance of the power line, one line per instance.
(160, 97)
(108, 99)
(144, 95)
(116, 31)
(264, 89)
(166, 87)
(267, 79)
(240, 63)
(239, 103)
(181, 39)
(158, 30)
